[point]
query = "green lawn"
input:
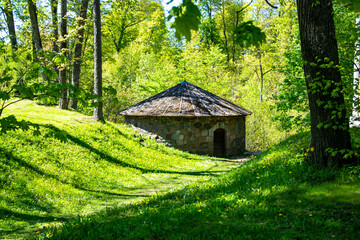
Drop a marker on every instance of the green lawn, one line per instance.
(76, 167)
(273, 196)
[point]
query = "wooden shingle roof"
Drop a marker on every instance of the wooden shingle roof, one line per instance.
(187, 100)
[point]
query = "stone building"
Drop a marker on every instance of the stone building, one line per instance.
(193, 120)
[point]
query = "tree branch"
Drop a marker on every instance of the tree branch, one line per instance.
(356, 66)
(267, 71)
(237, 12)
(270, 4)
(3, 107)
(134, 23)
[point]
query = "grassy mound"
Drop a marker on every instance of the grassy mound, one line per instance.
(273, 196)
(75, 166)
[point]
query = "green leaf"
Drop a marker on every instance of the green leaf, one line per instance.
(4, 96)
(187, 18)
(247, 35)
(110, 90)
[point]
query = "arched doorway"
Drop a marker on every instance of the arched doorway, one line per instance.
(219, 142)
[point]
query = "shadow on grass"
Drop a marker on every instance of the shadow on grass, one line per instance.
(63, 135)
(281, 198)
(5, 213)
(31, 220)
(116, 194)
(13, 159)
(234, 209)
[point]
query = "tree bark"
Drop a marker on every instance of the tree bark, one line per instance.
(75, 78)
(98, 110)
(8, 10)
(63, 101)
(55, 29)
(36, 36)
(329, 120)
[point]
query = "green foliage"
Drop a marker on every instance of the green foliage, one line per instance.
(247, 35)
(273, 196)
(124, 19)
(205, 67)
(347, 33)
(292, 102)
(353, 5)
(187, 17)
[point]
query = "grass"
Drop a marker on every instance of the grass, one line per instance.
(273, 196)
(76, 167)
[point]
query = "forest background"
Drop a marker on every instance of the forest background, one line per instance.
(142, 56)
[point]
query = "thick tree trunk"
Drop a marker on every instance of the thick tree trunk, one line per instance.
(55, 30)
(98, 111)
(329, 120)
(63, 101)
(75, 78)
(36, 36)
(8, 10)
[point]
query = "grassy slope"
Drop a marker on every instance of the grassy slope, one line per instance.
(273, 196)
(76, 167)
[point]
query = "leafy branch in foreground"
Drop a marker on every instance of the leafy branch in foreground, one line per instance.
(187, 17)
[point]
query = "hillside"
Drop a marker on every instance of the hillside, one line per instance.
(273, 196)
(77, 166)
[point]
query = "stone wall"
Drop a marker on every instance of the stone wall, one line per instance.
(195, 134)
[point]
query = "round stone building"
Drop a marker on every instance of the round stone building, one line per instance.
(193, 120)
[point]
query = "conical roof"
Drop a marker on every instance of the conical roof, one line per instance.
(187, 100)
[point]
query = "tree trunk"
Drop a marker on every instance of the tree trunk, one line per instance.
(75, 78)
(36, 36)
(55, 29)
(10, 23)
(261, 75)
(63, 101)
(329, 120)
(98, 110)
